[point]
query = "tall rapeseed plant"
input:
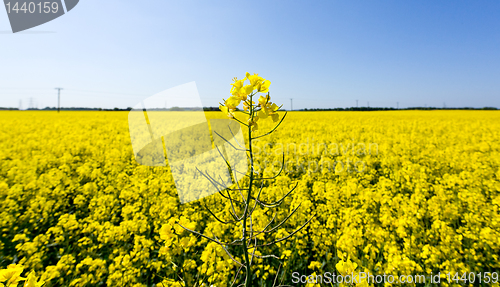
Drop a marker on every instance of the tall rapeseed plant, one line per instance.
(242, 210)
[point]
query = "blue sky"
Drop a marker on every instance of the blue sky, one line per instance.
(320, 53)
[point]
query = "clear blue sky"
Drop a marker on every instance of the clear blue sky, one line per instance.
(320, 53)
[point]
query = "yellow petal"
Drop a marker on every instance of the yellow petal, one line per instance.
(255, 127)
(236, 86)
(263, 100)
(233, 102)
(262, 114)
(248, 89)
(255, 80)
(31, 280)
(264, 87)
(223, 109)
(274, 107)
(275, 117)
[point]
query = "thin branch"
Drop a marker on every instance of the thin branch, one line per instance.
(236, 188)
(267, 256)
(253, 252)
(234, 137)
(237, 240)
(232, 206)
(236, 276)
(236, 119)
(251, 228)
(282, 222)
(213, 181)
(229, 165)
(272, 129)
(278, 202)
(258, 194)
(222, 194)
(229, 142)
(279, 268)
(242, 173)
(288, 236)
(219, 220)
(244, 112)
(268, 224)
(206, 237)
(229, 254)
(223, 157)
(240, 189)
(282, 165)
(220, 191)
(257, 198)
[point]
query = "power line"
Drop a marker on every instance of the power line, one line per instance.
(97, 92)
(7, 88)
(31, 91)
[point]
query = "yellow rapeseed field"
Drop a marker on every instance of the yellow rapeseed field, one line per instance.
(396, 192)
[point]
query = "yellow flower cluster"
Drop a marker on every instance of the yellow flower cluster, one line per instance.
(79, 211)
(11, 276)
(240, 93)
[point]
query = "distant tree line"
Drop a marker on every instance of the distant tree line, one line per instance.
(68, 109)
(207, 109)
(394, 109)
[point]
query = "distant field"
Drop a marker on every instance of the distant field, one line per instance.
(397, 192)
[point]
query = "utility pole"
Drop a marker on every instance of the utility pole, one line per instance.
(59, 99)
(368, 104)
(31, 106)
(291, 104)
(356, 103)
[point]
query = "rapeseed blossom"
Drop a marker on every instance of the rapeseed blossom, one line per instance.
(11, 276)
(240, 93)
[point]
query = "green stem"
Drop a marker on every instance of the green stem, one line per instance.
(245, 249)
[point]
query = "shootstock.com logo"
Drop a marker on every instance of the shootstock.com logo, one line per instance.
(204, 155)
(24, 15)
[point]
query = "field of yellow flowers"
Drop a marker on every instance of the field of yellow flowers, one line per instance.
(396, 192)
